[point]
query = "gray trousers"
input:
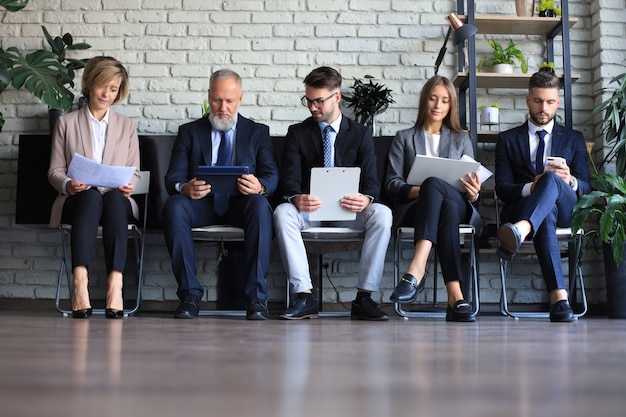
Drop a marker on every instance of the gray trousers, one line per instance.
(375, 221)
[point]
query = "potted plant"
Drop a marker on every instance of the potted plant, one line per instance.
(10, 6)
(368, 99)
(607, 203)
(490, 115)
(504, 56)
(44, 73)
(547, 8)
(548, 66)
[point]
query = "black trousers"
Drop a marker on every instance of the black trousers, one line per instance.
(86, 211)
(436, 217)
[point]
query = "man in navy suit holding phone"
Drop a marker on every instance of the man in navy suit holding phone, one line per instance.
(223, 138)
(541, 170)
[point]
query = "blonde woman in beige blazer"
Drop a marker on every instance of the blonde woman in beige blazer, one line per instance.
(98, 133)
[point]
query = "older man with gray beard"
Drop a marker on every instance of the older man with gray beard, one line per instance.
(223, 138)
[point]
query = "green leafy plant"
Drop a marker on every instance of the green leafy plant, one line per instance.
(547, 65)
(508, 55)
(545, 8)
(44, 73)
(494, 105)
(206, 109)
(13, 5)
(368, 99)
(607, 202)
(10, 6)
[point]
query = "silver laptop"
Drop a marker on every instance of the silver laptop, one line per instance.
(330, 185)
(449, 170)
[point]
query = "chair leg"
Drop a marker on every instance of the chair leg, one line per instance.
(64, 269)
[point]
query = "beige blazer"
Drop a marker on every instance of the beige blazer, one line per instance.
(72, 134)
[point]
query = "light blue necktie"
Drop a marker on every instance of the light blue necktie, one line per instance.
(328, 146)
(540, 150)
(224, 158)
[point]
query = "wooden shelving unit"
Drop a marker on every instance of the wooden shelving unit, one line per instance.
(467, 80)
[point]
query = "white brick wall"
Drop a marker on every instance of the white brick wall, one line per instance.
(170, 47)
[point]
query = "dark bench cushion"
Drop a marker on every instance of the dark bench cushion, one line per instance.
(35, 195)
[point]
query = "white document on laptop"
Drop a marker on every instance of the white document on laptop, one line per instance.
(330, 185)
(449, 170)
(94, 174)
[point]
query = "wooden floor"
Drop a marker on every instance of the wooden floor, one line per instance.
(153, 365)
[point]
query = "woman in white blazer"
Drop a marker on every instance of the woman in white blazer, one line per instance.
(435, 209)
(98, 133)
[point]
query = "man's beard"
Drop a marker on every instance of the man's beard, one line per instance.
(220, 124)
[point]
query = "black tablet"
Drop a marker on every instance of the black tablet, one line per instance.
(223, 179)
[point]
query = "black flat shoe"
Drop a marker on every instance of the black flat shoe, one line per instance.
(461, 312)
(407, 290)
(110, 313)
(85, 313)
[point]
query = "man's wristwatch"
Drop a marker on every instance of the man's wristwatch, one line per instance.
(573, 182)
(179, 187)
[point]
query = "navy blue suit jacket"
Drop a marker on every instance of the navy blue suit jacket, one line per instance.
(303, 150)
(193, 147)
(514, 168)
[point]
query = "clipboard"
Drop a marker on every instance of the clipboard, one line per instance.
(449, 170)
(330, 185)
(223, 179)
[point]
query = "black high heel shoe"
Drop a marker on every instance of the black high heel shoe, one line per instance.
(85, 313)
(110, 313)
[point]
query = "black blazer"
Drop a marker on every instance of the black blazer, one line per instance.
(303, 150)
(193, 147)
(514, 168)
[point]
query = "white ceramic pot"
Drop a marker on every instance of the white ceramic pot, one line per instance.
(503, 68)
(489, 116)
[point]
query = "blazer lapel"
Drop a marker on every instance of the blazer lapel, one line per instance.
(521, 136)
(112, 140)
(85, 126)
(241, 139)
(206, 144)
(557, 141)
(419, 141)
(341, 144)
(445, 142)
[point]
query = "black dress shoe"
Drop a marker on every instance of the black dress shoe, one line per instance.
(188, 307)
(110, 313)
(82, 314)
(460, 312)
(407, 290)
(561, 311)
(304, 307)
(510, 241)
(367, 309)
(257, 310)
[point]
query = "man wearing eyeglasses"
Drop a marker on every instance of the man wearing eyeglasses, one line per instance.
(349, 145)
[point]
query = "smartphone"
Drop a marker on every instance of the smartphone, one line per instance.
(555, 160)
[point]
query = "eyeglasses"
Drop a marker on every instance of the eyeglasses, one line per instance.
(317, 103)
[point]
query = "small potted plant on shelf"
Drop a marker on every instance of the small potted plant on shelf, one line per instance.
(489, 115)
(547, 8)
(547, 66)
(607, 203)
(502, 59)
(368, 99)
(44, 73)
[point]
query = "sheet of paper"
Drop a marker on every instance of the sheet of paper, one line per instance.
(97, 175)
(483, 173)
